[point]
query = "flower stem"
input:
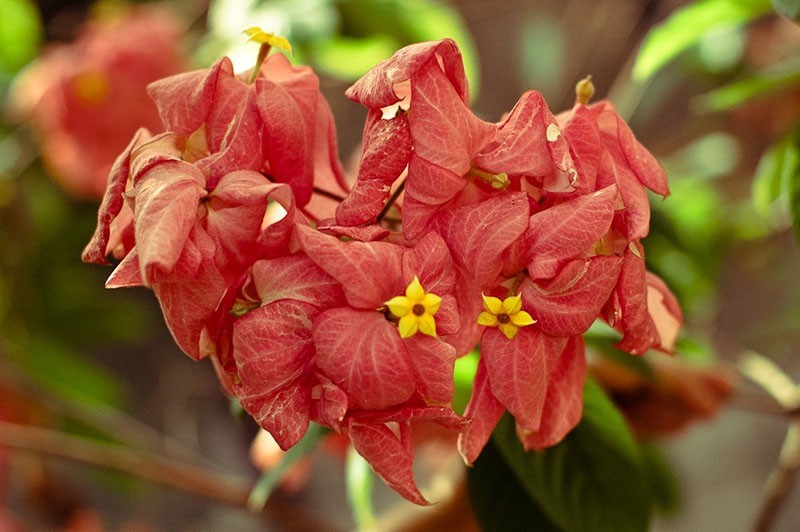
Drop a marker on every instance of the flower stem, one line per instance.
(391, 201)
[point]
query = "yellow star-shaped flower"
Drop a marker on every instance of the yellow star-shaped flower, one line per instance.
(506, 315)
(415, 310)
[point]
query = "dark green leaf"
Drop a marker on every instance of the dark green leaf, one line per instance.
(776, 77)
(593, 480)
(499, 501)
(687, 26)
(664, 484)
(788, 8)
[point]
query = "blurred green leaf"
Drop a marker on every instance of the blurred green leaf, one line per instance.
(65, 373)
(359, 477)
(687, 26)
(411, 21)
(774, 78)
(776, 187)
(788, 8)
(348, 58)
(20, 34)
(464, 374)
(500, 502)
(593, 480)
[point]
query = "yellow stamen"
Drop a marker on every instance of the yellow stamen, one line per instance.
(415, 310)
(506, 315)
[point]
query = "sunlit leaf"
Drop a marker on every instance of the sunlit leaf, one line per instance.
(20, 34)
(788, 8)
(359, 477)
(464, 375)
(687, 26)
(774, 78)
(593, 480)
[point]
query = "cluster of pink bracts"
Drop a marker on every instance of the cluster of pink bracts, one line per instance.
(349, 307)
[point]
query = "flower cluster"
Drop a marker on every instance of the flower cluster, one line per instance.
(456, 232)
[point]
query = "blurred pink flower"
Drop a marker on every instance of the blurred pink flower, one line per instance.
(87, 98)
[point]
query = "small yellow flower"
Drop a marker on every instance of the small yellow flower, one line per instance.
(507, 315)
(415, 310)
(258, 35)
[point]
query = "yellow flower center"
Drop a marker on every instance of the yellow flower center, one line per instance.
(415, 310)
(507, 315)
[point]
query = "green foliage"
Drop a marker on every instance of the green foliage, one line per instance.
(594, 480)
(359, 478)
(20, 35)
(664, 485)
(687, 26)
(766, 82)
(776, 187)
(788, 8)
(463, 375)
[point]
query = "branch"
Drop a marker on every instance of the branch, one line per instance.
(166, 471)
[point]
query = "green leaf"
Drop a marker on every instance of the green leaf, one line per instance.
(266, 484)
(788, 8)
(20, 34)
(776, 187)
(349, 58)
(687, 26)
(593, 480)
(664, 484)
(499, 501)
(774, 78)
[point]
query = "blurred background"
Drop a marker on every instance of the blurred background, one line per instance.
(712, 88)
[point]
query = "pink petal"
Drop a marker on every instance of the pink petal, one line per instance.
(568, 230)
(330, 404)
(580, 130)
(664, 309)
(518, 370)
(369, 272)
(636, 214)
(630, 306)
(477, 235)
(441, 415)
(284, 414)
(127, 273)
(564, 401)
(470, 304)
(430, 261)
(484, 411)
(432, 184)
(363, 354)
(569, 304)
(386, 152)
(389, 457)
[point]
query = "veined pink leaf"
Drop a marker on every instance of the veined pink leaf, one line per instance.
(127, 273)
(630, 305)
(432, 184)
(470, 305)
(273, 347)
(369, 272)
(477, 235)
(613, 170)
(97, 250)
(528, 142)
(441, 415)
(429, 260)
(376, 89)
(580, 130)
(285, 414)
(569, 304)
(568, 230)
(167, 198)
(329, 404)
(389, 457)
(518, 370)
(386, 152)
(296, 277)
(664, 309)
(445, 132)
(432, 361)
(564, 401)
(362, 353)
(484, 412)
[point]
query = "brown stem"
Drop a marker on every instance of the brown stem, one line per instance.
(166, 471)
(391, 201)
(780, 480)
(329, 195)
